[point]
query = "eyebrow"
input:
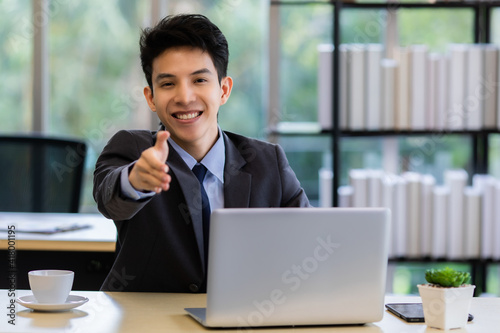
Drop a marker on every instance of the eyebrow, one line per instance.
(168, 75)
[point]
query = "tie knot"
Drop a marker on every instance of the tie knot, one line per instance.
(200, 170)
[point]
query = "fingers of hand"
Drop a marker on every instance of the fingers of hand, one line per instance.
(149, 174)
(161, 145)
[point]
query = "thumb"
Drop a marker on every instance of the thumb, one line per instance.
(161, 145)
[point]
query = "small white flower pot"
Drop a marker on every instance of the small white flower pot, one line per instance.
(446, 308)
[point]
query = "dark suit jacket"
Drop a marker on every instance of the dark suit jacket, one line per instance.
(159, 238)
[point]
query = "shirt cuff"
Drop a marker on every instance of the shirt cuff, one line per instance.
(129, 191)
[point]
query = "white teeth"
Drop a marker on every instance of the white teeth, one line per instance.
(186, 116)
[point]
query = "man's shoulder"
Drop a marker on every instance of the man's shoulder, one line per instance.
(238, 140)
(125, 140)
(134, 135)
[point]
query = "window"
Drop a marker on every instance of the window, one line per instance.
(16, 35)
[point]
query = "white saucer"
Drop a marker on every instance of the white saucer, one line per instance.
(71, 302)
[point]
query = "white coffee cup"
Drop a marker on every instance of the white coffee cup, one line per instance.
(50, 285)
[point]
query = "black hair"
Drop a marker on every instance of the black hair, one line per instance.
(193, 30)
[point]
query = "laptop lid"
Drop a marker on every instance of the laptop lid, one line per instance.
(296, 266)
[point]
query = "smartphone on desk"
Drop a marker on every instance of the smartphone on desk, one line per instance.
(410, 312)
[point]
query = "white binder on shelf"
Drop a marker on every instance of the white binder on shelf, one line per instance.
(402, 119)
(439, 240)
(428, 184)
(442, 92)
(414, 213)
(358, 178)
(400, 217)
(344, 86)
(356, 90)
(345, 196)
(432, 90)
(373, 88)
(490, 83)
(472, 214)
(486, 184)
(389, 201)
(325, 187)
(474, 99)
(496, 223)
(455, 113)
(418, 95)
(325, 86)
(375, 187)
(389, 87)
(456, 180)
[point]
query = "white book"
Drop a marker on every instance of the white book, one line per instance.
(457, 86)
(433, 62)
(486, 185)
(375, 187)
(428, 184)
(400, 217)
(402, 56)
(358, 179)
(389, 88)
(345, 196)
(356, 89)
(440, 211)
(325, 187)
(441, 95)
(344, 86)
(473, 99)
(418, 84)
(498, 92)
(489, 85)
(472, 215)
(373, 56)
(325, 90)
(414, 215)
(389, 201)
(496, 223)
(456, 180)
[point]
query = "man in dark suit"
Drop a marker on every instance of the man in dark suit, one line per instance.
(145, 181)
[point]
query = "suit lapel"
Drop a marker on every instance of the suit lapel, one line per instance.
(236, 182)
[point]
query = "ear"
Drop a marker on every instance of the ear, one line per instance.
(148, 93)
(226, 85)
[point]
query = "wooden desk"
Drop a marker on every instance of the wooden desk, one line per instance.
(99, 237)
(89, 251)
(156, 312)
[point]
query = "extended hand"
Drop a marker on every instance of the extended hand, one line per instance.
(150, 171)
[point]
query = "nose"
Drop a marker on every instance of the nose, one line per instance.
(184, 94)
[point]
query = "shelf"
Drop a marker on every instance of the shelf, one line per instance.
(417, 4)
(393, 4)
(311, 128)
(416, 133)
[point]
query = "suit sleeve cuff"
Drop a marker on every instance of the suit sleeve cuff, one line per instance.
(128, 191)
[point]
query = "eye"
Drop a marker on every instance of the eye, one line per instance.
(166, 84)
(200, 80)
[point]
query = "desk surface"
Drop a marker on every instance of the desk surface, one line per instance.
(156, 312)
(99, 236)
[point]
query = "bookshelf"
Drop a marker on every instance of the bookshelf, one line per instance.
(479, 138)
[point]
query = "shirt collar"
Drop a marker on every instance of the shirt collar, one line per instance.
(214, 160)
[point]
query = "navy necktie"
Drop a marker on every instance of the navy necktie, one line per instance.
(200, 171)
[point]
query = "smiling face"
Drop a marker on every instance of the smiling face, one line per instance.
(186, 96)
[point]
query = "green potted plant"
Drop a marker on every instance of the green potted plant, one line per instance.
(446, 298)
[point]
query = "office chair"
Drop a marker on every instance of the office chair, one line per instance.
(41, 174)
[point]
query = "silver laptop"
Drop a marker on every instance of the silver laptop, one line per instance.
(296, 266)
